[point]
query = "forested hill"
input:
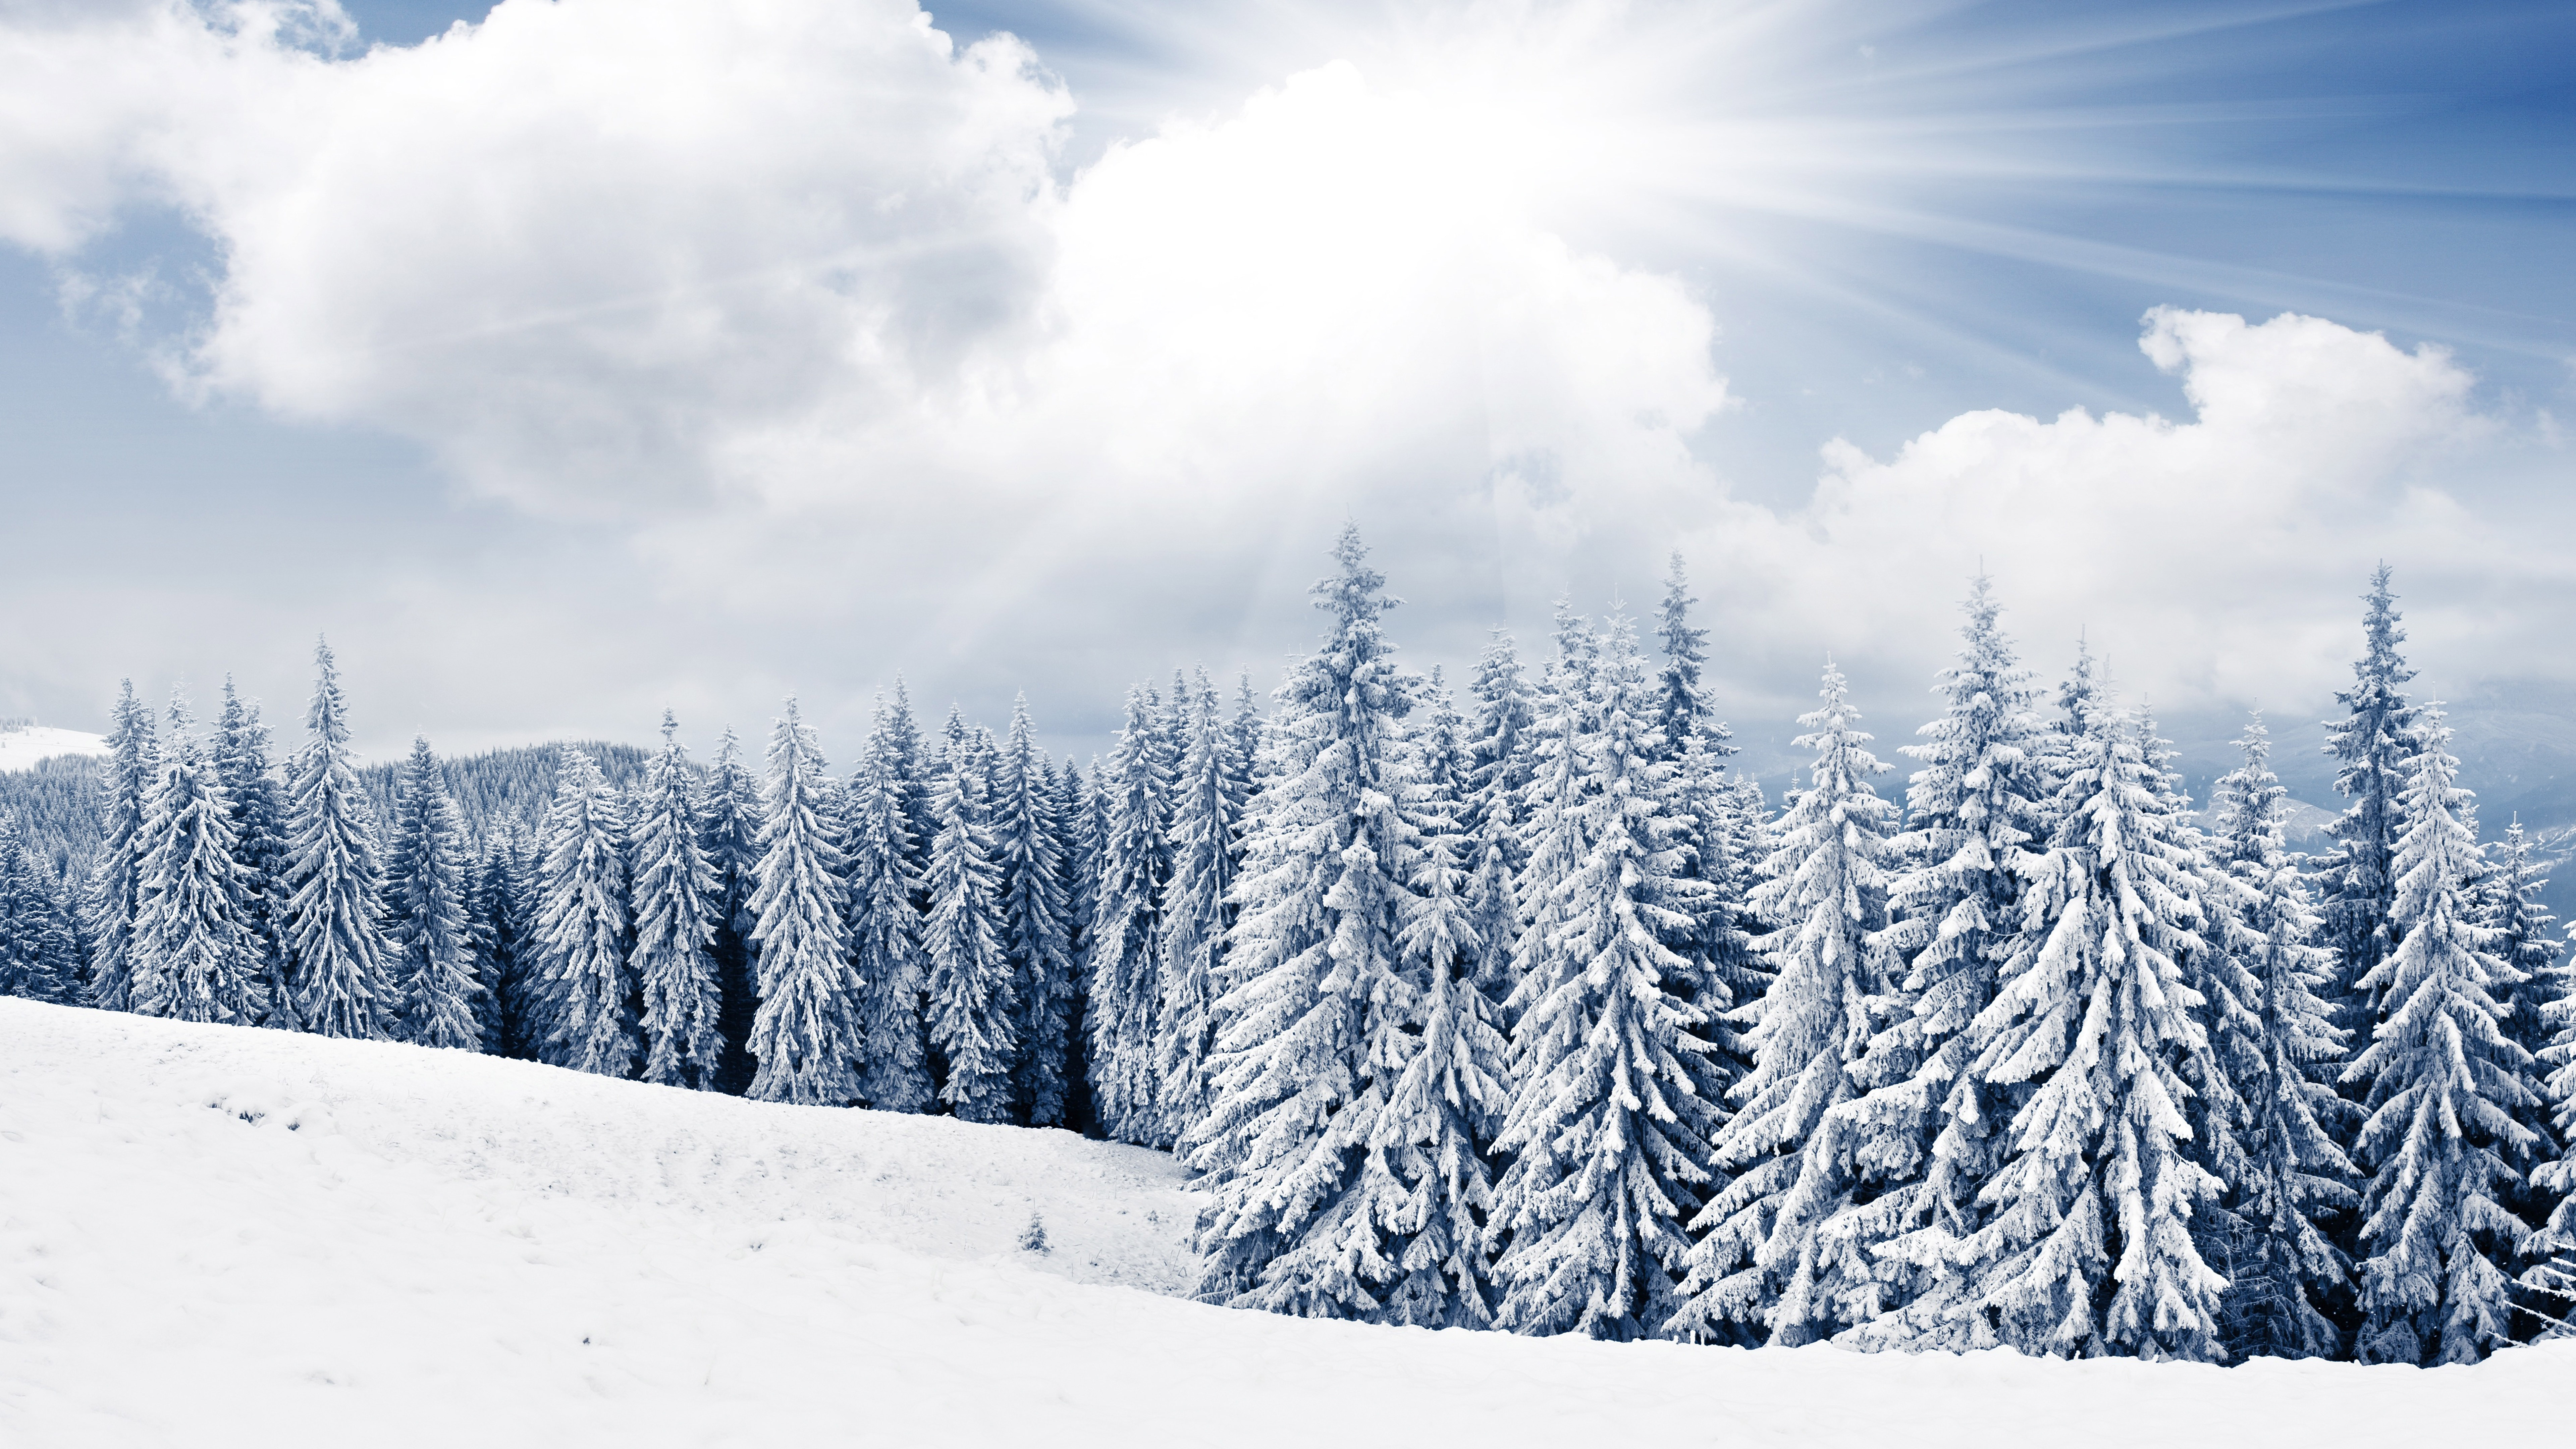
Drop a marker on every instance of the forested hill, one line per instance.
(57, 801)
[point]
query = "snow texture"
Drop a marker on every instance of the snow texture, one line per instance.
(218, 1236)
(23, 746)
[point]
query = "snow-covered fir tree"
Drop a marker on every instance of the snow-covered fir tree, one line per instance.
(1077, 821)
(810, 1034)
(2284, 1272)
(2088, 1249)
(339, 963)
(2550, 1282)
(2443, 1087)
(1929, 1129)
(885, 930)
(582, 924)
(507, 963)
(39, 957)
(1430, 1147)
(2374, 745)
(1126, 930)
(259, 843)
(133, 763)
(1035, 922)
(973, 1013)
(1758, 1259)
(677, 901)
(2528, 942)
(1616, 1098)
(731, 832)
(196, 956)
(1208, 799)
(910, 779)
(1314, 1034)
(1682, 708)
(1499, 766)
(427, 884)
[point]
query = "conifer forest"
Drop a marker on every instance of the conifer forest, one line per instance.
(1497, 1003)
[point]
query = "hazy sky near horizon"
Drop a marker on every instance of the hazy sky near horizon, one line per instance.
(581, 357)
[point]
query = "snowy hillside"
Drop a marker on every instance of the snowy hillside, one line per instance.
(22, 744)
(211, 1235)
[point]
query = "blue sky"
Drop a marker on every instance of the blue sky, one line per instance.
(1691, 247)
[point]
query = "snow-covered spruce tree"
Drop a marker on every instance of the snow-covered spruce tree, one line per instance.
(1758, 1260)
(427, 881)
(1553, 839)
(259, 843)
(508, 967)
(2527, 941)
(196, 957)
(1616, 1098)
(1205, 813)
(677, 899)
(730, 832)
(2283, 1271)
(1499, 765)
(1314, 1033)
(2443, 1086)
(1429, 1150)
(1126, 931)
(1928, 1131)
(2375, 743)
(2088, 1249)
(1682, 709)
(1035, 928)
(810, 1032)
(133, 763)
(582, 924)
(1077, 821)
(910, 779)
(2550, 1282)
(339, 963)
(974, 1010)
(885, 931)
(39, 959)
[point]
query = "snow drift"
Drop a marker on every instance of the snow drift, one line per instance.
(212, 1235)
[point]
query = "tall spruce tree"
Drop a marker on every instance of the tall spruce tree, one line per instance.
(731, 825)
(2527, 941)
(133, 763)
(1077, 814)
(2284, 1272)
(1429, 1150)
(1205, 815)
(583, 921)
(2089, 1247)
(427, 884)
(1759, 1259)
(2375, 744)
(1682, 708)
(195, 955)
(1499, 766)
(340, 965)
(2550, 1281)
(973, 1014)
(885, 931)
(678, 896)
(1036, 925)
(1929, 1128)
(2444, 1085)
(1310, 1046)
(39, 958)
(1126, 930)
(810, 1033)
(259, 843)
(1617, 1100)
(508, 967)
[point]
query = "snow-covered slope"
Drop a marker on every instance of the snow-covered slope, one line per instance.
(211, 1236)
(22, 745)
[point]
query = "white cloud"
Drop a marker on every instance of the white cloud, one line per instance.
(796, 295)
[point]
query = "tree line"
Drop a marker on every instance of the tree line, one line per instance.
(1529, 1015)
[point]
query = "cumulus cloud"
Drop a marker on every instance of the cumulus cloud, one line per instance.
(798, 299)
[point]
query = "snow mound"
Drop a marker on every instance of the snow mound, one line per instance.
(211, 1235)
(23, 745)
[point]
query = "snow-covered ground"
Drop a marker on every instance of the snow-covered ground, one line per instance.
(211, 1235)
(24, 745)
